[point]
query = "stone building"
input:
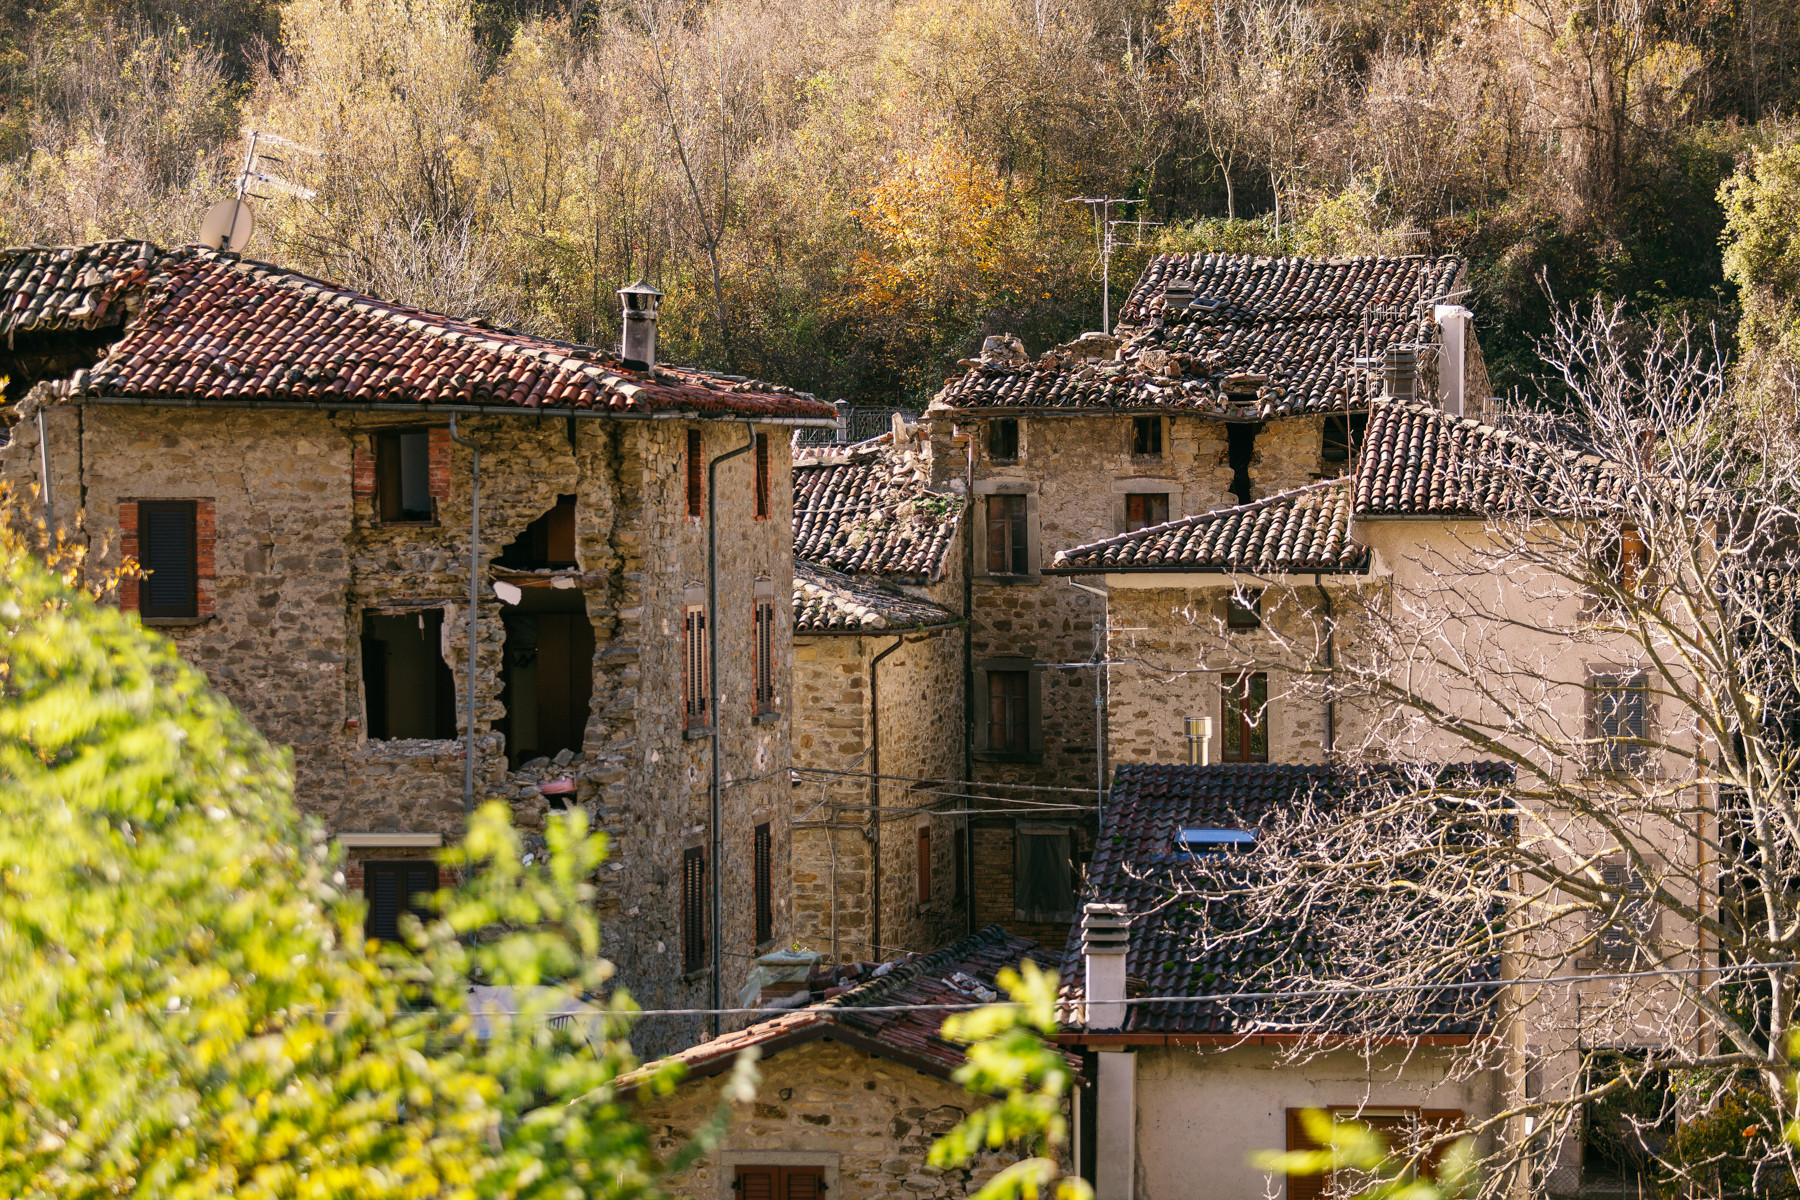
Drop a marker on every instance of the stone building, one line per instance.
(880, 860)
(1230, 379)
(850, 1100)
(297, 465)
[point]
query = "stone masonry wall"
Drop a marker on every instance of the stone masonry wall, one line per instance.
(868, 1120)
(300, 558)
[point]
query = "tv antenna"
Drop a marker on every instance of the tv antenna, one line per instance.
(1105, 225)
(227, 225)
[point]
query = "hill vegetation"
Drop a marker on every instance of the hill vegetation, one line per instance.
(847, 195)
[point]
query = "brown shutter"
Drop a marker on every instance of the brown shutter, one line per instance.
(996, 535)
(764, 884)
(804, 1183)
(762, 474)
(758, 1183)
(925, 865)
(1302, 1187)
(1439, 1120)
(168, 549)
(695, 495)
(693, 909)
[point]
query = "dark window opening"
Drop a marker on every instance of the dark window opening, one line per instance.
(696, 696)
(168, 551)
(959, 877)
(1009, 694)
(696, 497)
(1003, 439)
(408, 689)
(1146, 437)
(761, 1182)
(1342, 436)
(1045, 886)
(764, 883)
(403, 475)
(1625, 1132)
(762, 474)
(693, 909)
(1008, 549)
(392, 888)
(548, 541)
(1144, 509)
(1243, 610)
(547, 674)
(1245, 723)
(1240, 443)
(924, 874)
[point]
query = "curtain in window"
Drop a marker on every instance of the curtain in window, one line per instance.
(1044, 889)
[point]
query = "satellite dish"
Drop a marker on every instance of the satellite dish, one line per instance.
(227, 225)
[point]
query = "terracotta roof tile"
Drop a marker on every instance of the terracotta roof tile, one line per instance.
(1264, 337)
(1137, 864)
(1305, 530)
(828, 601)
(214, 327)
(46, 288)
(869, 509)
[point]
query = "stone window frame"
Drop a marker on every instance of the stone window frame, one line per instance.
(205, 547)
(730, 1160)
(1033, 545)
(1034, 710)
(1126, 485)
(365, 487)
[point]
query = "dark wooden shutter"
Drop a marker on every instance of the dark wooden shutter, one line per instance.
(1302, 1187)
(693, 909)
(167, 549)
(803, 1183)
(762, 474)
(1021, 564)
(1439, 1121)
(925, 865)
(996, 535)
(695, 494)
(395, 887)
(765, 884)
(758, 1183)
(762, 637)
(959, 845)
(693, 669)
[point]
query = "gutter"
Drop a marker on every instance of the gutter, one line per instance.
(712, 654)
(474, 600)
(1220, 571)
(485, 410)
(1077, 1037)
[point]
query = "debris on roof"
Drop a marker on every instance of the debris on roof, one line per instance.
(868, 509)
(828, 601)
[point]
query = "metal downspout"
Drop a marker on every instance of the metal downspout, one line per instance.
(712, 656)
(875, 944)
(474, 599)
(44, 473)
(968, 623)
(1330, 664)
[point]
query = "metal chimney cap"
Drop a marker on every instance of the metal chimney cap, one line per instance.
(1106, 928)
(640, 294)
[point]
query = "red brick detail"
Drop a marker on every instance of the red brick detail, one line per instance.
(439, 448)
(204, 539)
(362, 467)
(128, 548)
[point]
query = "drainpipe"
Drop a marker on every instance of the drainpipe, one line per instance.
(968, 623)
(44, 472)
(1330, 665)
(474, 599)
(875, 797)
(1106, 937)
(712, 655)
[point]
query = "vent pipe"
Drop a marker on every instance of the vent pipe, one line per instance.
(1106, 935)
(1178, 296)
(1199, 741)
(1399, 371)
(637, 343)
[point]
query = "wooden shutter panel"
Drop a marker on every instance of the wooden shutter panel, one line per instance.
(693, 909)
(762, 474)
(695, 493)
(804, 1183)
(1302, 1187)
(1440, 1121)
(382, 884)
(421, 883)
(758, 1183)
(166, 549)
(764, 884)
(925, 865)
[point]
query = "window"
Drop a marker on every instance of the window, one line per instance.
(1003, 439)
(1627, 558)
(693, 909)
(924, 873)
(392, 888)
(762, 648)
(408, 690)
(1008, 551)
(1628, 919)
(549, 541)
(762, 475)
(1342, 436)
(959, 851)
(403, 475)
(169, 552)
(697, 703)
(1399, 1127)
(1044, 888)
(764, 883)
(1143, 509)
(779, 1183)
(547, 674)
(1146, 437)
(1624, 1132)
(696, 497)
(1009, 711)
(1243, 610)
(1620, 706)
(1246, 718)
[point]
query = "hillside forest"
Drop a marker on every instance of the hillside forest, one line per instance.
(848, 195)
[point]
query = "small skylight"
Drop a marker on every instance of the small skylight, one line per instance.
(1215, 841)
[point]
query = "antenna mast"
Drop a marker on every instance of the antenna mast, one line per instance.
(1106, 243)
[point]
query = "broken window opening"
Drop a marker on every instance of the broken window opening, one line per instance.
(1342, 436)
(547, 678)
(403, 475)
(548, 541)
(1240, 448)
(1146, 437)
(408, 690)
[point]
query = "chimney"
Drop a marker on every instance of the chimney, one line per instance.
(1106, 935)
(1178, 296)
(637, 344)
(1399, 371)
(1199, 741)
(1453, 364)
(843, 419)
